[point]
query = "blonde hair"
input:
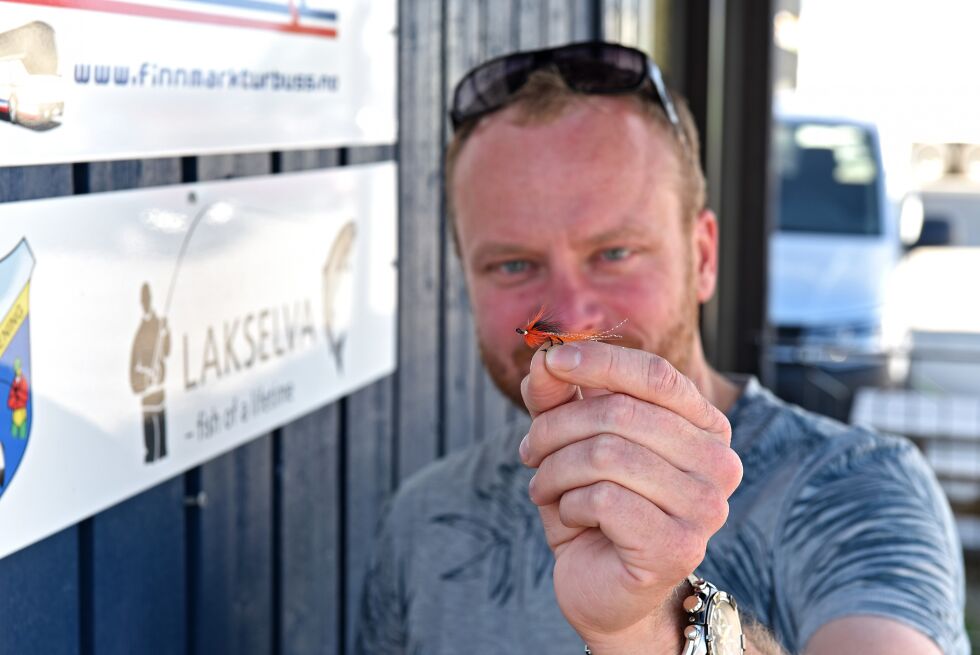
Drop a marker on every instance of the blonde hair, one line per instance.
(545, 96)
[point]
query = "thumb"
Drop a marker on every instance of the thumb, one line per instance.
(543, 391)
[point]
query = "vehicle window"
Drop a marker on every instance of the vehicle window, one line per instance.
(18, 74)
(827, 179)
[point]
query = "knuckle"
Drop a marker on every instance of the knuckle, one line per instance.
(659, 421)
(718, 421)
(537, 433)
(603, 496)
(725, 466)
(534, 486)
(605, 451)
(618, 411)
(661, 376)
(714, 506)
(689, 549)
(732, 470)
(614, 362)
(720, 454)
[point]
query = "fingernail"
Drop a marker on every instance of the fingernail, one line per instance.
(530, 485)
(523, 449)
(564, 358)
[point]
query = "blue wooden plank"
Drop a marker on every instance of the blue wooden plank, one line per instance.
(301, 160)
(369, 154)
(217, 167)
(369, 439)
(584, 20)
(39, 606)
(232, 584)
(530, 24)
(368, 443)
(138, 576)
(499, 32)
(310, 540)
(557, 25)
(420, 245)
(140, 173)
(34, 182)
(461, 364)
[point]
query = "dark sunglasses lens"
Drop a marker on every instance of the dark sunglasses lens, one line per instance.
(491, 85)
(601, 68)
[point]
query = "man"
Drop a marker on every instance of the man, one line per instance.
(147, 370)
(574, 183)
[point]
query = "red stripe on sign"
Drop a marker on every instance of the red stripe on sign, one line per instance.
(130, 9)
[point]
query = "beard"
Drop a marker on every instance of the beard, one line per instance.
(673, 343)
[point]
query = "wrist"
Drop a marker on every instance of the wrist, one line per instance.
(661, 633)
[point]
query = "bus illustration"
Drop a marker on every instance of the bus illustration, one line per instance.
(32, 92)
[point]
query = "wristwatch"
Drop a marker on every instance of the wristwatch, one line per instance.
(714, 627)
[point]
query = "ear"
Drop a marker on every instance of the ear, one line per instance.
(704, 253)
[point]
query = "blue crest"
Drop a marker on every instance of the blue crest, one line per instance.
(16, 381)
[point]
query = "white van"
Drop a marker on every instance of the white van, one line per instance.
(834, 245)
(29, 99)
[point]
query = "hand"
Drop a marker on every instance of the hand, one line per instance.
(630, 486)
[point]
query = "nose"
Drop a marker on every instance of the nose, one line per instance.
(575, 302)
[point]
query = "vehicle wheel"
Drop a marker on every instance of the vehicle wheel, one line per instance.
(12, 109)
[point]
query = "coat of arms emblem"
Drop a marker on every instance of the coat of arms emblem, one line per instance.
(15, 359)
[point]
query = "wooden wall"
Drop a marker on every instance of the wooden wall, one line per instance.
(263, 550)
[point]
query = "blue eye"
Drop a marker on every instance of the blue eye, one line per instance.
(614, 254)
(514, 267)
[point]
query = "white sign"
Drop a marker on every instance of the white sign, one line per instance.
(144, 332)
(84, 80)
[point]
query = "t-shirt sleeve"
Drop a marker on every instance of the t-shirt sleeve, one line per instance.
(871, 533)
(381, 619)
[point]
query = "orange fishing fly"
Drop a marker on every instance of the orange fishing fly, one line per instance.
(544, 328)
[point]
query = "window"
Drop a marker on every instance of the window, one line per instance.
(828, 178)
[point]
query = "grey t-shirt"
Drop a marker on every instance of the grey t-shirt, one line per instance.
(830, 520)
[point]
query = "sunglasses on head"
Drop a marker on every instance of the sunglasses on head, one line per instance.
(592, 67)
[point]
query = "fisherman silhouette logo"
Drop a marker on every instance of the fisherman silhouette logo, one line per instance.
(147, 372)
(15, 359)
(338, 292)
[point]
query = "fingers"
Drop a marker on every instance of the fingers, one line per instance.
(611, 458)
(650, 543)
(647, 466)
(664, 433)
(556, 533)
(541, 390)
(638, 373)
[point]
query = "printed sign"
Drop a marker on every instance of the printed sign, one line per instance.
(144, 332)
(85, 80)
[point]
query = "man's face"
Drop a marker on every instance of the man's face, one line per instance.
(580, 214)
